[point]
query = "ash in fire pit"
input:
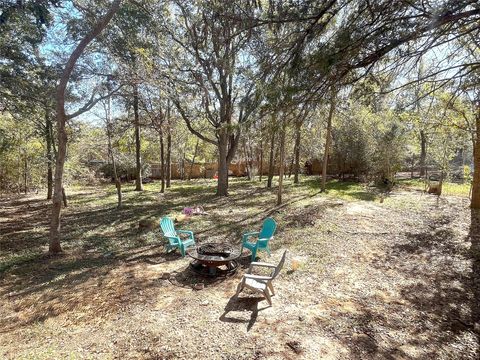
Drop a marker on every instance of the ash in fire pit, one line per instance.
(220, 250)
(214, 259)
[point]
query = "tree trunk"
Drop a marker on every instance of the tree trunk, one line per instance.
(271, 161)
(182, 167)
(25, 174)
(412, 167)
(423, 152)
(169, 147)
(118, 184)
(261, 160)
(54, 245)
(245, 157)
(282, 160)
(328, 140)
(251, 161)
(475, 202)
(49, 139)
(248, 160)
(298, 134)
(162, 163)
(292, 164)
(138, 159)
(64, 198)
(222, 186)
(193, 160)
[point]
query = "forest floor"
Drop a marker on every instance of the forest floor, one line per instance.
(381, 276)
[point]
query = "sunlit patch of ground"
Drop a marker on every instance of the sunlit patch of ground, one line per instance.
(367, 276)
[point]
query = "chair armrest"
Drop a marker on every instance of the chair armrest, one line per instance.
(173, 239)
(262, 264)
(185, 232)
(257, 277)
(246, 235)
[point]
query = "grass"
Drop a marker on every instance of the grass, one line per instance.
(92, 223)
(12, 260)
(346, 190)
(448, 188)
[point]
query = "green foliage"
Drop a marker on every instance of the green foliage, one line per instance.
(351, 147)
(22, 155)
(467, 173)
(390, 150)
(448, 188)
(125, 168)
(23, 26)
(369, 143)
(222, 72)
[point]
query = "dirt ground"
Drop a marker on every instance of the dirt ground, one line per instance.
(384, 278)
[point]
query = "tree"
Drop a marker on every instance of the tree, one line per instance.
(28, 84)
(169, 145)
(282, 161)
(23, 26)
(272, 155)
(138, 158)
(216, 87)
(470, 86)
(298, 138)
(21, 154)
(328, 139)
(130, 43)
(158, 111)
(62, 117)
(111, 153)
(468, 107)
(352, 146)
(337, 43)
(475, 202)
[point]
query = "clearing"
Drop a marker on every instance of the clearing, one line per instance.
(393, 277)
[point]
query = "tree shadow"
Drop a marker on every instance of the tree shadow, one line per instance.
(442, 291)
(155, 258)
(474, 238)
(434, 306)
(235, 229)
(93, 285)
(307, 216)
(187, 278)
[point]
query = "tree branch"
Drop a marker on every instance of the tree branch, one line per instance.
(92, 102)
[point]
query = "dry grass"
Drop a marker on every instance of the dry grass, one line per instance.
(363, 279)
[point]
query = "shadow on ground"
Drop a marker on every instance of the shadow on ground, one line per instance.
(238, 306)
(439, 297)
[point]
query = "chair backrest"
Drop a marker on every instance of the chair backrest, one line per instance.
(268, 229)
(280, 265)
(167, 227)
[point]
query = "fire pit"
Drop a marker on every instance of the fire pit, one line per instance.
(214, 259)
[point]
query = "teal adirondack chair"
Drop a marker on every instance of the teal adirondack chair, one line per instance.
(263, 237)
(174, 240)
